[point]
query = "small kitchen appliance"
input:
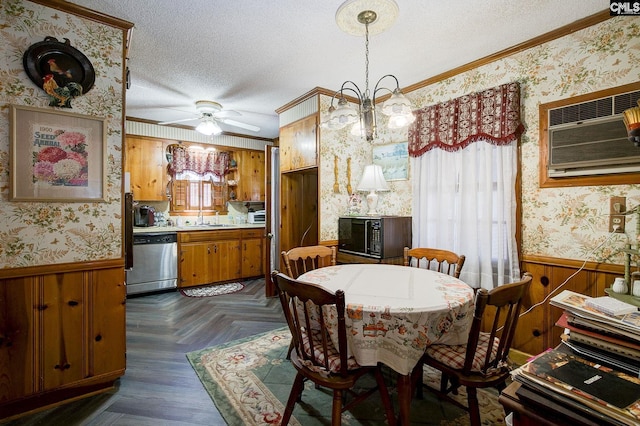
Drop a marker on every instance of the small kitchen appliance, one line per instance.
(258, 216)
(144, 216)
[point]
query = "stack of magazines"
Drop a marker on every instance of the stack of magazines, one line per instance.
(594, 376)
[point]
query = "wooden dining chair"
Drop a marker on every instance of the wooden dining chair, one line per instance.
(483, 361)
(309, 309)
(444, 261)
(299, 260)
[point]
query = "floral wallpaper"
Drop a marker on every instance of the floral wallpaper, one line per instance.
(40, 233)
(569, 222)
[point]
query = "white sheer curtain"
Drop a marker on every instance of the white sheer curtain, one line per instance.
(465, 201)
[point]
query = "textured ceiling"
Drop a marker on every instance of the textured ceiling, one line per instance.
(255, 56)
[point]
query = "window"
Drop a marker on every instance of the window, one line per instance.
(191, 193)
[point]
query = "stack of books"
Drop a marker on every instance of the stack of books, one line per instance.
(594, 375)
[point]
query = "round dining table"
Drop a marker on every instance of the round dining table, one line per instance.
(395, 312)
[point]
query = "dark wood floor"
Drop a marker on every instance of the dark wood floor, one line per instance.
(159, 386)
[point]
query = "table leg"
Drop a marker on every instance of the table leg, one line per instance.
(404, 398)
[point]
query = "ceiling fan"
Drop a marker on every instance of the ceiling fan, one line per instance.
(210, 114)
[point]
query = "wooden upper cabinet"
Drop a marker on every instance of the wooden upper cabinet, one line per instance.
(299, 144)
(251, 176)
(146, 162)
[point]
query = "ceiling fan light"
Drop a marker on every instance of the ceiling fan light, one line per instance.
(208, 128)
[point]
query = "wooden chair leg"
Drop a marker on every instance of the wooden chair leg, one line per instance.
(336, 412)
(296, 392)
(386, 400)
(444, 382)
(474, 408)
(289, 350)
(417, 377)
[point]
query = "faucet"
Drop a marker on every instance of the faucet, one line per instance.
(200, 219)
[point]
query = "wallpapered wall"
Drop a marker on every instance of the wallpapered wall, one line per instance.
(37, 233)
(558, 222)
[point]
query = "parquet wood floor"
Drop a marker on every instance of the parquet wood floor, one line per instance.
(159, 386)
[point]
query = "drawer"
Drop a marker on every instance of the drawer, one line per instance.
(253, 233)
(203, 236)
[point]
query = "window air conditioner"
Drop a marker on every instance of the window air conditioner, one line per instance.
(591, 138)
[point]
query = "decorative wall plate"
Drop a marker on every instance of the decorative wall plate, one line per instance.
(59, 69)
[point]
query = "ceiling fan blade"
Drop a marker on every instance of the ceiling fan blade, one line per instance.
(239, 124)
(179, 121)
(226, 113)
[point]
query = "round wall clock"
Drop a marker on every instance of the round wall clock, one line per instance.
(61, 70)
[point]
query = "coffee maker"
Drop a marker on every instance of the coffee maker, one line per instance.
(144, 216)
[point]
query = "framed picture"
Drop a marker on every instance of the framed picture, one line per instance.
(394, 160)
(56, 156)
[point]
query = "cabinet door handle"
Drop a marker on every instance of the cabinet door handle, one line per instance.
(215, 248)
(208, 249)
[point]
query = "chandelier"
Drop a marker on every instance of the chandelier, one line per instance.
(372, 16)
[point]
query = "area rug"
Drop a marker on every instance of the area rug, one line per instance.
(212, 290)
(249, 381)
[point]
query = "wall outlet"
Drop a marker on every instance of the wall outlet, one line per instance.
(617, 205)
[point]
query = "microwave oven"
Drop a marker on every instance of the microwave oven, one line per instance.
(378, 237)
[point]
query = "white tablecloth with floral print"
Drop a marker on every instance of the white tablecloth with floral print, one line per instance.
(394, 312)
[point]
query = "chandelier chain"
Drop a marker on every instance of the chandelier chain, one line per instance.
(366, 60)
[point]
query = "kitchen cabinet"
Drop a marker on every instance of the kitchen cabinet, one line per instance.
(208, 256)
(299, 144)
(146, 163)
(247, 176)
(253, 252)
(251, 168)
(220, 255)
(62, 335)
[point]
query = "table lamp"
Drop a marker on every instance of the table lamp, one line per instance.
(372, 181)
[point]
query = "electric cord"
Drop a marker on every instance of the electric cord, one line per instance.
(553, 292)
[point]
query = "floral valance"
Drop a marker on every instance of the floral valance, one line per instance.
(492, 115)
(198, 161)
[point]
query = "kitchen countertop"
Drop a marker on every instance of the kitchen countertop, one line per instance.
(190, 228)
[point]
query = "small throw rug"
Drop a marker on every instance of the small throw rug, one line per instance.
(212, 290)
(249, 381)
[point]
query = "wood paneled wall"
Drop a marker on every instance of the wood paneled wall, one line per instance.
(536, 329)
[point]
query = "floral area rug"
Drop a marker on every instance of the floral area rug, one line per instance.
(249, 381)
(212, 290)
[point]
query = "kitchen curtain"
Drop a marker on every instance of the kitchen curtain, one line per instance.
(464, 163)
(198, 161)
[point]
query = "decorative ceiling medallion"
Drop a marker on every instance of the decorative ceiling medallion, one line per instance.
(62, 71)
(349, 19)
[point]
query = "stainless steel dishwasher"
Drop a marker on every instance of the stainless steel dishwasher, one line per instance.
(155, 263)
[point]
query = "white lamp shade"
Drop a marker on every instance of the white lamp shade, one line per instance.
(209, 127)
(343, 115)
(373, 179)
(398, 108)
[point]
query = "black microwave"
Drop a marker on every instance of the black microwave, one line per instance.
(379, 237)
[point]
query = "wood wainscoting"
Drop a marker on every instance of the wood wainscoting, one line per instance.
(62, 333)
(536, 329)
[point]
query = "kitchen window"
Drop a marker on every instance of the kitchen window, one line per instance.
(191, 194)
(198, 183)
